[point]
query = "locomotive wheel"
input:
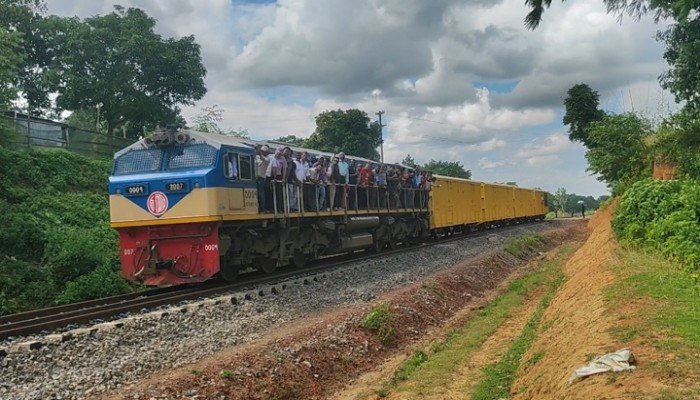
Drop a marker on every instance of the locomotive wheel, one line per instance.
(393, 244)
(228, 270)
(266, 265)
(300, 259)
(379, 246)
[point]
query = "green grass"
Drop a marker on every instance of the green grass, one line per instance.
(522, 246)
(674, 294)
(499, 377)
(434, 368)
(379, 321)
(667, 317)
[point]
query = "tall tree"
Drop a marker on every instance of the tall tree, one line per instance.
(581, 105)
(618, 153)
(25, 18)
(349, 131)
(10, 61)
(559, 199)
(682, 54)
(117, 62)
(448, 168)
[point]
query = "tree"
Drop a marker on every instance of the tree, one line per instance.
(209, 121)
(682, 53)
(10, 61)
(85, 119)
(292, 140)
(581, 105)
(559, 199)
(618, 153)
(636, 8)
(24, 18)
(349, 131)
(409, 161)
(118, 62)
(448, 168)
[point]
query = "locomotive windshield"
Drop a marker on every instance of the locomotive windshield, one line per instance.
(138, 161)
(178, 156)
(191, 156)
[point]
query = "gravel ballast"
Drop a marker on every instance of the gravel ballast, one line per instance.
(108, 359)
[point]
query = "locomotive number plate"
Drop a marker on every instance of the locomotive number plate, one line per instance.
(176, 186)
(135, 190)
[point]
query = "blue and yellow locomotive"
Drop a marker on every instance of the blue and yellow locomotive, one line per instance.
(186, 208)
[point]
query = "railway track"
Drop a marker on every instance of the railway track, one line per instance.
(54, 318)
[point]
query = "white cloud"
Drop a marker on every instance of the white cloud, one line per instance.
(542, 160)
(485, 163)
(553, 144)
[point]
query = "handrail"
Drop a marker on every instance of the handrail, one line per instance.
(366, 198)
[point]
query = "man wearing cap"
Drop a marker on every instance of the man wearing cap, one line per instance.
(262, 160)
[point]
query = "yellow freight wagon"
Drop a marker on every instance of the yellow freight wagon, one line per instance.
(459, 202)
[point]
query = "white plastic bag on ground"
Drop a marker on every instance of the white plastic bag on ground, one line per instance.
(620, 360)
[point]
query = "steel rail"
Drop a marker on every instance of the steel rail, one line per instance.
(48, 319)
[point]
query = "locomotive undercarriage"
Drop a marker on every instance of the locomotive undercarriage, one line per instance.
(274, 243)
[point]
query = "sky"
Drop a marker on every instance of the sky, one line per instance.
(459, 80)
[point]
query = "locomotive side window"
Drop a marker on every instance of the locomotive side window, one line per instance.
(238, 166)
(246, 166)
(231, 166)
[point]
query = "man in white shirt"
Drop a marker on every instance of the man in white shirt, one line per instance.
(262, 161)
(302, 173)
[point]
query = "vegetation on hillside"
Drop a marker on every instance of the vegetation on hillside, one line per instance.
(56, 245)
(664, 215)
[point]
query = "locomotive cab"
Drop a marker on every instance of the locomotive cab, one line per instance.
(167, 195)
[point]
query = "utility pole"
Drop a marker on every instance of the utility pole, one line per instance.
(381, 144)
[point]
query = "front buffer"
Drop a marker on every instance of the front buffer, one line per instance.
(170, 254)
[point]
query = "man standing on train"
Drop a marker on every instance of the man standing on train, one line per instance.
(344, 169)
(262, 160)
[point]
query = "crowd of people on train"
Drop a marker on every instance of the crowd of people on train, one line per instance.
(288, 181)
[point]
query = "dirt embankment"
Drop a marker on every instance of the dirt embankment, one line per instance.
(316, 360)
(576, 326)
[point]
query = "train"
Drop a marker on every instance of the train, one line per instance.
(183, 218)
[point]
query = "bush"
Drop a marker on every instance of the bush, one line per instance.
(26, 173)
(72, 251)
(54, 213)
(24, 286)
(23, 235)
(101, 282)
(664, 215)
(379, 321)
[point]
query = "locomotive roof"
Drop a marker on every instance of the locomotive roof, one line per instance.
(217, 140)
